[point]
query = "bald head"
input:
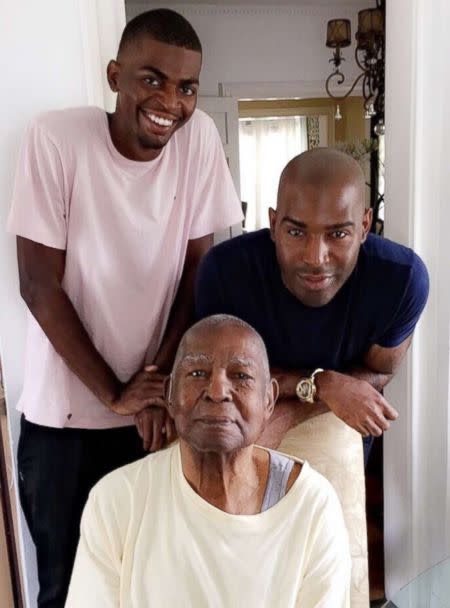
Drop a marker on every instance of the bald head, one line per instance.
(322, 168)
(319, 224)
(216, 327)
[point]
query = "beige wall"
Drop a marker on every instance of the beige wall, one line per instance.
(352, 127)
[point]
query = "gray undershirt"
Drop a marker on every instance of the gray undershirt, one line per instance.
(280, 468)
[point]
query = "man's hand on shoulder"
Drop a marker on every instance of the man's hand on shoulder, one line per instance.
(356, 402)
(143, 396)
(144, 389)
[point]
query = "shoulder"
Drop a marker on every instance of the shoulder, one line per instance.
(383, 251)
(200, 130)
(316, 501)
(119, 488)
(393, 263)
(250, 247)
(68, 124)
(200, 121)
(318, 489)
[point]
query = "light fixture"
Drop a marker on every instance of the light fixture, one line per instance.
(369, 56)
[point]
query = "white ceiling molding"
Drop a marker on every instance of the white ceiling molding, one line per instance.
(273, 10)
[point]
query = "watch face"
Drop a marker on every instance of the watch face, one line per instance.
(304, 390)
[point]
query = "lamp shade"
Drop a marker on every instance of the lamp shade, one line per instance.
(338, 33)
(370, 21)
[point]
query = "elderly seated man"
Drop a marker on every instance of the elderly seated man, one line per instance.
(214, 520)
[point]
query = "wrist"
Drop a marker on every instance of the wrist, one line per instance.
(306, 388)
(115, 395)
(325, 381)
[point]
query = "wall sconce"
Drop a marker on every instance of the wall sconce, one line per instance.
(369, 56)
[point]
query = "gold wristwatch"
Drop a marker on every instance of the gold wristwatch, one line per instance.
(306, 388)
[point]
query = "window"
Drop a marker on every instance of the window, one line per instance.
(265, 147)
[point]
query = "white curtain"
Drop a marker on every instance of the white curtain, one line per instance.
(101, 25)
(265, 147)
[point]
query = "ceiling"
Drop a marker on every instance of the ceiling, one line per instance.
(300, 3)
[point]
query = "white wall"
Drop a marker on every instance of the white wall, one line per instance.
(264, 51)
(51, 55)
(417, 471)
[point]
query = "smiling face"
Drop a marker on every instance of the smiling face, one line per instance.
(221, 395)
(318, 229)
(157, 93)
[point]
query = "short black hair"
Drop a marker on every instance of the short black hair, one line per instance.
(164, 25)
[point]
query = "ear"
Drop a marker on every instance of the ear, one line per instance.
(272, 222)
(272, 392)
(112, 74)
(168, 387)
(366, 223)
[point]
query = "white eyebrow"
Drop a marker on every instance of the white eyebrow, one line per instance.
(243, 361)
(195, 358)
(202, 359)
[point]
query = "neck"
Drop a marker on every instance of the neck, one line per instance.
(233, 482)
(120, 139)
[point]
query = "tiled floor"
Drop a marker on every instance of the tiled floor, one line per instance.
(429, 590)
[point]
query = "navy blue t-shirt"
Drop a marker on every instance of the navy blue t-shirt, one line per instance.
(380, 303)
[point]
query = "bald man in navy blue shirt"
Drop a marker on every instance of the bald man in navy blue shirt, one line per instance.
(336, 307)
(324, 294)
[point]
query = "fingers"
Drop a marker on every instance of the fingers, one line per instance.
(372, 428)
(159, 437)
(147, 430)
(156, 402)
(377, 419)
(171, 433)
(379, 416)
(138, 422)
(150, 374)
(390, 412)
(151, 424)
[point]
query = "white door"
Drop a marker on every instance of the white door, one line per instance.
(224, 112)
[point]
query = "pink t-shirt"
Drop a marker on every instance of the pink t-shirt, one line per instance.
(125, 226)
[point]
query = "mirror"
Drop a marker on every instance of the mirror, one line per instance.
(263, 70)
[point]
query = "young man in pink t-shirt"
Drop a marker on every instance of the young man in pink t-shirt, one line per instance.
(112, 213)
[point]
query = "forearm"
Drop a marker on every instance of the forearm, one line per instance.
(60, 322)
(180, 318)
(182, 312)
(376, 379)
(353, 394)
(287, 414)
(288, 379)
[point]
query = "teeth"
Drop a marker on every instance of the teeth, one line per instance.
(163, 122)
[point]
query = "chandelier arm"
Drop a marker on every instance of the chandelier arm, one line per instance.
(358, 63)
(366, 91)
(340, 81)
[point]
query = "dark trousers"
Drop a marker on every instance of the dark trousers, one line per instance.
(57, 469)
(367, 447)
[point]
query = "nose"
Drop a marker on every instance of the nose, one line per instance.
(315, 252)
(169, 98)
(219, 387)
